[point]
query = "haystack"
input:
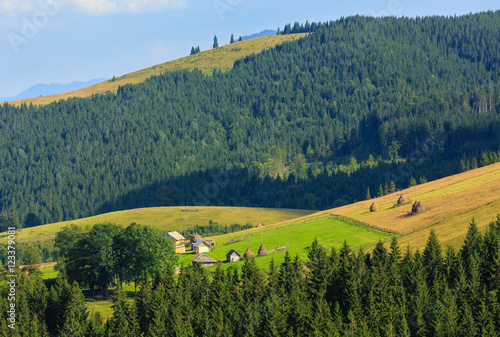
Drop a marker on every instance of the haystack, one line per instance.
(248, 254)
(402, 200)
(262, 250)
(194, 238)
(374, 207)
(418, 207)
(259, 225)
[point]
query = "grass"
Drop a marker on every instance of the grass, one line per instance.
(329, 233)
(451, 203)
(221, 58)
(48, 273)
(165, 219)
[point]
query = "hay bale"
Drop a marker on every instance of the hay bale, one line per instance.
(262, 250)
(248, 254)
(420, 208)
(195, 237)
(414, 207)
(374, 207)
(402, 200)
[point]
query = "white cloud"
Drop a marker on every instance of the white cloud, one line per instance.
(88, 7)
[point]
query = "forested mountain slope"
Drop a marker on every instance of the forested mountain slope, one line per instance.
(275, 129)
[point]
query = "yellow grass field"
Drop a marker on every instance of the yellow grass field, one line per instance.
(166, 218)
(221, 58)
(450, 204)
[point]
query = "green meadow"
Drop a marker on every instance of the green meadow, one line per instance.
(329, 233)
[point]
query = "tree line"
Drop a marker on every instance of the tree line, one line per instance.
(388, 291)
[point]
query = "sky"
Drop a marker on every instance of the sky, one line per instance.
(61, 41)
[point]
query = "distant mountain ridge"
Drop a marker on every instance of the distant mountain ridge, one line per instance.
(267, 32)
(51, 89)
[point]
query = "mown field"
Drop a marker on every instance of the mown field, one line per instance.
(221, 58)
(167, 218)
(451, 203)
(329, 233)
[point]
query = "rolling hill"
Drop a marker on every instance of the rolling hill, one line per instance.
(450, 203)
(168, 218)
(221, 58)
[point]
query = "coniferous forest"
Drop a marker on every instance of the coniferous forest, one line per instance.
(388, 292)
(358, 103)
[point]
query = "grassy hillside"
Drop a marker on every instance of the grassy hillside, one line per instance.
(168, 218)
(297, 235)
(451, 203)
(221, 58)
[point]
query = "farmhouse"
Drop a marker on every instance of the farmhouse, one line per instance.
(233, 256)
(176, 237)
(202, 246)
(178, 241)
(204, 260)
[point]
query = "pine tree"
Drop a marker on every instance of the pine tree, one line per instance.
(386, 188)
(95, 327)
(240, 39)
(392, 188)
(232, 39)
(143, 302)
(380, 191)
(76, 314)
(14, 218)
(433, 259)
(118, 323)
(216, 42)
(368, 196)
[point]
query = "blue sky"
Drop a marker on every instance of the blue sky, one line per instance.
(47, 41)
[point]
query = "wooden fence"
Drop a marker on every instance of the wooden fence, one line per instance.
(362, 223)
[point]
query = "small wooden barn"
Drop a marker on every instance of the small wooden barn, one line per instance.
(178, 241)
(176, 237)
(233, 256)
(202, 246)
(204, 260)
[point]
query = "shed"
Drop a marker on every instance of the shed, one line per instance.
(233, 256)
(180, 249)
(176, 237)
(210, 242)
(202, 246)
(204, 260)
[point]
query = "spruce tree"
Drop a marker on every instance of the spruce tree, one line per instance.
(392, 187)
(118, 323)
(232, 39)
(380, 191)
(216, 42)
(368, 196)
(433, 259)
